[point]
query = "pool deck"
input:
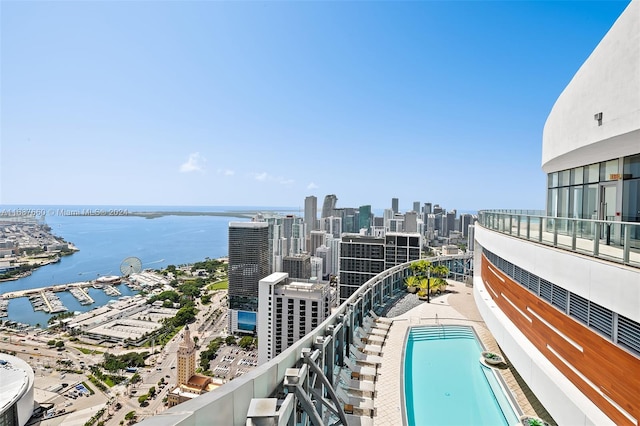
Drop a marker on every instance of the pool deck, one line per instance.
(455, 307)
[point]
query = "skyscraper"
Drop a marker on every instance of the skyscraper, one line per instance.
(329, 205)
(311, 213)
(248, 264)
(289, 309)
(416, 206)
(364, 217)
(361, 258)
(394, 205)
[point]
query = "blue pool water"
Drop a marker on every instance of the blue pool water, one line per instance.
(445, 384)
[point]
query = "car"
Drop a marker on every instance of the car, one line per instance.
(173, 366)
(167, 376)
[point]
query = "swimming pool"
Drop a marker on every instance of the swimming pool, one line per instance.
(445, 384)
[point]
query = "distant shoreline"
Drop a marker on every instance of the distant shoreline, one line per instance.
(153, 215)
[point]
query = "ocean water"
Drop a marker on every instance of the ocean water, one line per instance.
(105, 241)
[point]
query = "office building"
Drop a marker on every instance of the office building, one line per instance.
(465, 221)
(289, 309)
(311, 213)
(317, 239)
(329, 205)
(561, 295)
(416, 206)
(394, 205)
(361, 258)
(325, 253)
(364, 218)
(248, 264)
(298, 266)
(331, 225)
(449, 223)
(401, 247)
(410, 222)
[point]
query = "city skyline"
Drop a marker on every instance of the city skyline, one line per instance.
(219, 103)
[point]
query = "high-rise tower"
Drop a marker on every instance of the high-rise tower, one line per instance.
(329, 205)
(186, 358)
(311, 213)
(248, 264)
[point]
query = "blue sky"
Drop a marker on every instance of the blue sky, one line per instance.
(263, 103)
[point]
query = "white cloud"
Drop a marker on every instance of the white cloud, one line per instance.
(264, 177)
(226, 172)
(195, 163)
(261, 176)
(312, 186)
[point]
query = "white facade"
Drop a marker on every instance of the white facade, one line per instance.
(16, 390)
(287, 311)
(575, 135)
(608, 83)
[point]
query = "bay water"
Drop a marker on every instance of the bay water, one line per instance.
(105, 241)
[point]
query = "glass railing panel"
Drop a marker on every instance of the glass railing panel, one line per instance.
(608, 239)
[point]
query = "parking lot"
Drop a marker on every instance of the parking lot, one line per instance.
(232, 362)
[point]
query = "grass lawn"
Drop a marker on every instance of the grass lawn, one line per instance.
(88, 351)
(220, 285)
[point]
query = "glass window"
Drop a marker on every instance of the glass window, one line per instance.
(563, 178)
(575, 204)
(609, 170)
(590, 200)
(552, 180)
(592, 173)
(632, 167)
(577, 176)
(563, 202)
(552, 196)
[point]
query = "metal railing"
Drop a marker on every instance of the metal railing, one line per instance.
(610, 240)
(299, 385)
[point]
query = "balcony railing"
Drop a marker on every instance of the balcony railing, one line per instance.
(610, 240)
(298, 386)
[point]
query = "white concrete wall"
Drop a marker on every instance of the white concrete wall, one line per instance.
(566, 404)
(608, 82)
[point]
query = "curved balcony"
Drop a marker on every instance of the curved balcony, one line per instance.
(609, 240)
(301, 382)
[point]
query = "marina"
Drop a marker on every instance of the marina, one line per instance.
(49, 300)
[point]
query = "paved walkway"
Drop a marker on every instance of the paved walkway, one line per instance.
(455, 307)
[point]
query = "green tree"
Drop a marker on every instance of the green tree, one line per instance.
(59, 344)
(246, 342)
(136, 378)
(130, 415)
(230, 340)
(142, 399)
(184, 316)
(152, 391)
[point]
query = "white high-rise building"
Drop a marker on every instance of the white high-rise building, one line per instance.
(288, 310)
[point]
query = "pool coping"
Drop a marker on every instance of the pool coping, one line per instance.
(444, 310)
(515, 407)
